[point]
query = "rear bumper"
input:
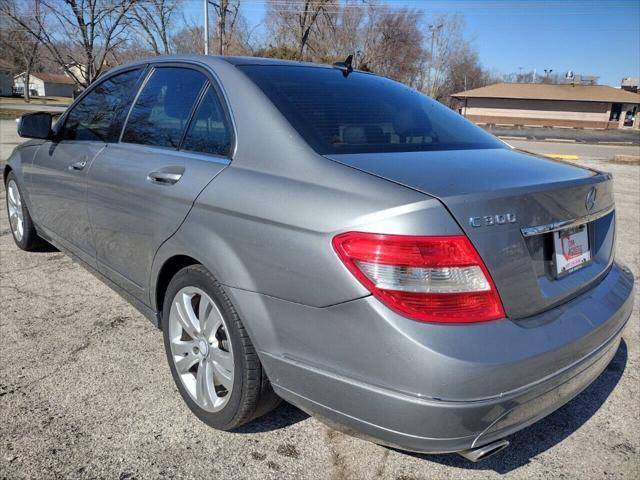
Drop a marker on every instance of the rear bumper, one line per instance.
(435, 388)
(512, 411)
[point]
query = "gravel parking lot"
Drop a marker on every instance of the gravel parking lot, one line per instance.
(85, 392)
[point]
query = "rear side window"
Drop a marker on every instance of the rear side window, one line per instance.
(363, 113)
(209, 130)
(94, 118)
(161, 112)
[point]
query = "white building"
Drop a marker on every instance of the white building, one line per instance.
(46, 84)
(77, 71)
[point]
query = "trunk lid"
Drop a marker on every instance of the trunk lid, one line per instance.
(507, 202)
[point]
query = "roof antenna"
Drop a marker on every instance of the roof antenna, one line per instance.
(345, 66)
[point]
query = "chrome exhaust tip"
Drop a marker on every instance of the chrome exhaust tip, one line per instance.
(485, 451)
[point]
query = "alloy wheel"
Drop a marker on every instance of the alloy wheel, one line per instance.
(14, 202)
(201, 350)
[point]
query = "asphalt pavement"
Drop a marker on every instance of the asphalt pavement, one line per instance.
(578, 135)
(575, 151)
(85, 392)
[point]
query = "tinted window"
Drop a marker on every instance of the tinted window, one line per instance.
(363, 113)
(162, 109)
(209, 132)
(95, 116)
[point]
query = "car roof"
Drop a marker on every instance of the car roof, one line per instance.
(216, 59)
(269, 61)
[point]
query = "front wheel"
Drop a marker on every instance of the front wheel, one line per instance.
(22, 228)
(211, 357)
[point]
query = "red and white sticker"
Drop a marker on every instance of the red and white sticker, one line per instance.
(571, 249)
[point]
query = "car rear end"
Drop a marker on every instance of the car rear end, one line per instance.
(432, 387)
(437, 359)
(462, 335)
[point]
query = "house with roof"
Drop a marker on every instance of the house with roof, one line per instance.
(6, 78)
(45, 84)
(551, 105)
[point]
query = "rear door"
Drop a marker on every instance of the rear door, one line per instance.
(176, 139)
(58, 175)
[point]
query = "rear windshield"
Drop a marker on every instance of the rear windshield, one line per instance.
(363, 113)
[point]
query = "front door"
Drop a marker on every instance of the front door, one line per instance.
(175, 141)
(58, 193)
(58, 174)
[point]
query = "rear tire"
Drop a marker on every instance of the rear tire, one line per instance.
(20, 222)
(212, 360)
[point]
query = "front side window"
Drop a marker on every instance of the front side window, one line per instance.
(363, 113)
(161, 112)
(94, 118)
(209, 131)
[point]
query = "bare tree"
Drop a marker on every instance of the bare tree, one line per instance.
(346, 30)
(29, 54)
(153, 20)
(227, 13)
(236, 37)
(80, 35)
(292, 22)
(465, 72)
(384, 38)
(24, 47)
(394, 43)
(238, 40)
(188, 39)
(449, 43)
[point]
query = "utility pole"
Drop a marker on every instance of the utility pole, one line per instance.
(206, 27)
(434, 29)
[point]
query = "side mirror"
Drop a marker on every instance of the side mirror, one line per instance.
(35, 125)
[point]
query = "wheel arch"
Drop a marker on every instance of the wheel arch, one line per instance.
(5, 173)
(196, 242)
(170, 266)
(167, 271)
(14, 164)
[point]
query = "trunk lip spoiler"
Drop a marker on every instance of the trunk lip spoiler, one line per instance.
(555, 226)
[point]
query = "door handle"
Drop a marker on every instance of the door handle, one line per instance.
(164, 178)
(78, 165)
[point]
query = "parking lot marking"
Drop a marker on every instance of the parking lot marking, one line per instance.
(562, 156)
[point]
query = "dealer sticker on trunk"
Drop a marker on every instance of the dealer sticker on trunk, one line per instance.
(571, 249)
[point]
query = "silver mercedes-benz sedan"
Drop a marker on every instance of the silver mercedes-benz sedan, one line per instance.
(332, 238)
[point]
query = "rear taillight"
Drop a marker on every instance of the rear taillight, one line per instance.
(432, 279)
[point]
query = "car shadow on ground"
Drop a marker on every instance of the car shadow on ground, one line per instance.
(282, 416)
(45, 248)
(551, 430)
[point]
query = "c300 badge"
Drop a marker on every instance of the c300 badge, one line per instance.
(491, 220)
